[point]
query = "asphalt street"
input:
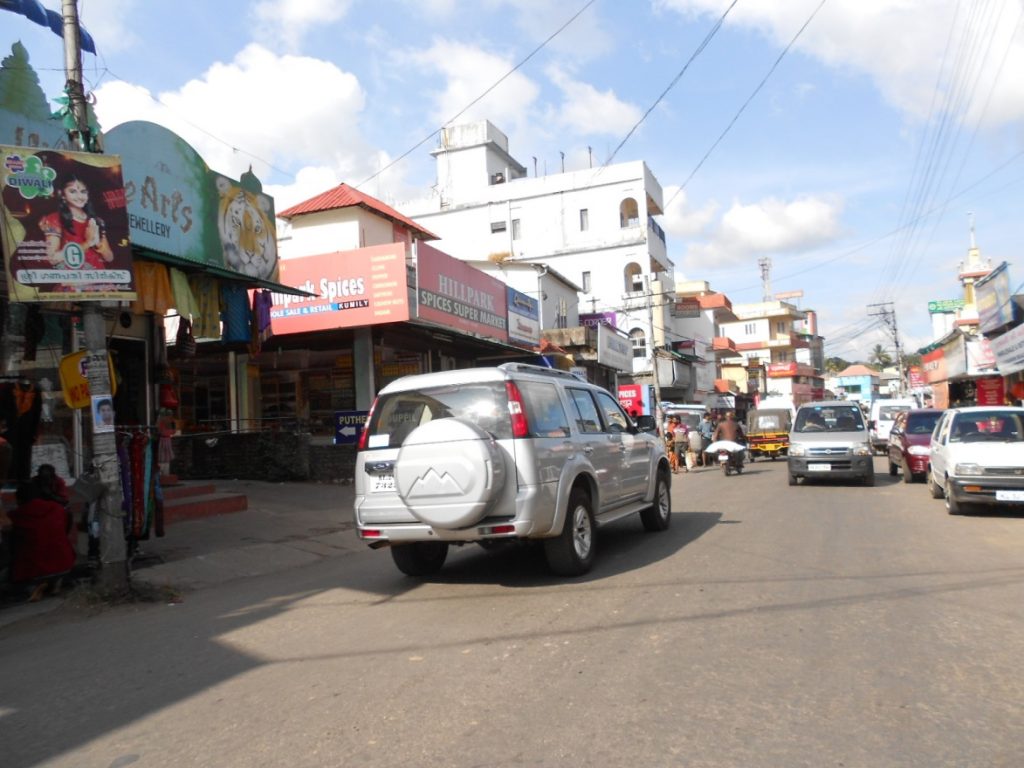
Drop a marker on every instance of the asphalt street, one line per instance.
(769, 626)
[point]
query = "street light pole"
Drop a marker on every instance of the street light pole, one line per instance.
(113, 559)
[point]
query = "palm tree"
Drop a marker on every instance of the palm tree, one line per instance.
(880, 357)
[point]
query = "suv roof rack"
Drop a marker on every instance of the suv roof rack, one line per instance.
(539, 369)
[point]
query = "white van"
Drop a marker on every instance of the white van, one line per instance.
(883, 414)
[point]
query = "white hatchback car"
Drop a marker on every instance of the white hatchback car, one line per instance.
(977, 457)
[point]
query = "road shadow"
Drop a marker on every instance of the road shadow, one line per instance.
(621, 547)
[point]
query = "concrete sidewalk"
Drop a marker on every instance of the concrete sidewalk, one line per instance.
(286, 525)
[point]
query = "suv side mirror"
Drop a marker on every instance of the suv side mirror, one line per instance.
(646, 423)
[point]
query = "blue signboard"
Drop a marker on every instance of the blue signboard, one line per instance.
(348, 426)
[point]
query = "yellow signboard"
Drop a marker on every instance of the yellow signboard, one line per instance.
(74, 379)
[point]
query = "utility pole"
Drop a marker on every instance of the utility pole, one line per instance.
(888, 315)
(766, 278)
(654, 352)
(113, 559)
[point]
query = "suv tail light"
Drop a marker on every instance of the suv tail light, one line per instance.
(520, 428)
(364, 436)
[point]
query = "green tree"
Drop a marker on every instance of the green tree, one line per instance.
(836, 364)
(880, 357)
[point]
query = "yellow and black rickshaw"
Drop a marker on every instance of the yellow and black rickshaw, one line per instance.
(768, 432)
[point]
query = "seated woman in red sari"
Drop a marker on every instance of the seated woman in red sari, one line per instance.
(41, 551)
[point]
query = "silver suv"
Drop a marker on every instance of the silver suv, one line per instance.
(513, 452)
(829, 440)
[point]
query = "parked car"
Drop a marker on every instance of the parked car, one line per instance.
(883, 416)
(977, 458)
(910, 443)
(829, 440)
(513, 452)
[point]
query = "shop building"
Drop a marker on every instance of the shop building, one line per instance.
(595, 227)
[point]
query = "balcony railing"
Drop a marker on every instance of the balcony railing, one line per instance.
(656, 229)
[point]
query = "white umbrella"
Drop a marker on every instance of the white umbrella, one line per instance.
(724, 445)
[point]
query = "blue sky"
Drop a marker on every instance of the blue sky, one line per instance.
(883, 117)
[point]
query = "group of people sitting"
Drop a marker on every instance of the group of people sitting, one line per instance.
(39, 535)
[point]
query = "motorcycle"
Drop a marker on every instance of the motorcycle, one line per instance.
(729, 455)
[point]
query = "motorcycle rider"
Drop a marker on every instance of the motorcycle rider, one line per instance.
(729, 429)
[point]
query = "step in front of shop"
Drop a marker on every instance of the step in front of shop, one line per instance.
(186, 502)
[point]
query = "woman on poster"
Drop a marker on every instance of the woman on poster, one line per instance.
(75, 221)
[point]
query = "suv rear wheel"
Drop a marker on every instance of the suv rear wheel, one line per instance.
(571, 553)
(420, 558)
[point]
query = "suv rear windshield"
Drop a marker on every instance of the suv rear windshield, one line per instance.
(399, 413)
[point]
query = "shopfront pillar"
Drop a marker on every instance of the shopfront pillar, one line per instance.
(363, 367)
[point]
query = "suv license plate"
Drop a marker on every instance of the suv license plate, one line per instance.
(1009, 495)
(819, 467)
(382, 482)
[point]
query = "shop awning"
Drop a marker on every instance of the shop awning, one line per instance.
(188, 265)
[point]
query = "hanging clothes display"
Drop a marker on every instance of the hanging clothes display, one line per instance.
(140, 485)
(236, 314)
(262, 302)
(153, 286)
(206, 315)
(21, 406)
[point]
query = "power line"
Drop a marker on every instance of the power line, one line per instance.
(475, 101)
(743, 107)
(700, 48)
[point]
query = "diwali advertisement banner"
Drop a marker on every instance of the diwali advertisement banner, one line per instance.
(65, 226)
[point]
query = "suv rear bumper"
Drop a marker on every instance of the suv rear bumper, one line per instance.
(381, 535)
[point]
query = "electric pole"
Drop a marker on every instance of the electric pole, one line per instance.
(888, 315)
(654, 352)
(766, 278)
(113, 560)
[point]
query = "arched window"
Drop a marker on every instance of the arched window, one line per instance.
(634, 277)
(629, 213)
(639, 342)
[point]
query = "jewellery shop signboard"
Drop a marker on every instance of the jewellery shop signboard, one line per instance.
(65, 226)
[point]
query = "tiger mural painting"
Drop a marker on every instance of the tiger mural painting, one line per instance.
(246, 225)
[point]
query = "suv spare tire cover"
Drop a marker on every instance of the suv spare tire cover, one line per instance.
(448, 473)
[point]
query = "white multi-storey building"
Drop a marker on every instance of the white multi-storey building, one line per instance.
(595, 227)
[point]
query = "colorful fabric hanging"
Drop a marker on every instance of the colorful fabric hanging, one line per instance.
(206, 293)
(236, 313)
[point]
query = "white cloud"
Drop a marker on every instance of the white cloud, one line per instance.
(469, 71)
(259, 109)
(589, 111)
(769, 226)
(109, 24)
(682, 221)
(288, 21)
(901, 46)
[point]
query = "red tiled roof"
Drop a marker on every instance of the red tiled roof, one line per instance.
(344, 196)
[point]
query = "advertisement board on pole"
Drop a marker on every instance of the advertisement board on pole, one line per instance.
(65, 226)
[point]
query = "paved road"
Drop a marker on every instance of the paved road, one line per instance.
(770, 626)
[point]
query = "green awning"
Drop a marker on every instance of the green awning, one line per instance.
(188, 265)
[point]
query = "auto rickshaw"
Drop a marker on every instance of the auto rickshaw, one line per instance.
(768, 432)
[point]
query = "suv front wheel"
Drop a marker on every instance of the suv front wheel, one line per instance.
(571, 553)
